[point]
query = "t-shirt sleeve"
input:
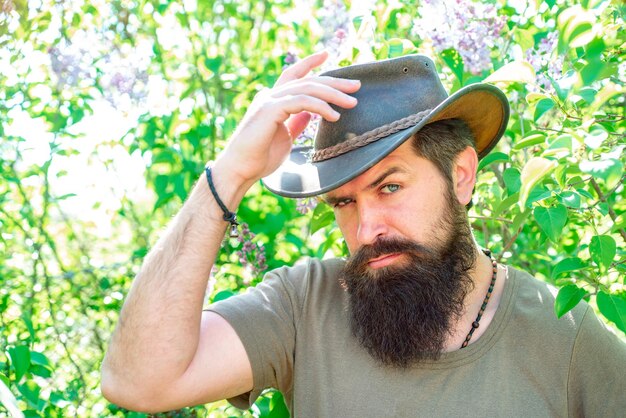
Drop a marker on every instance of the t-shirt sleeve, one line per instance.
(265, 319)
(597, 371)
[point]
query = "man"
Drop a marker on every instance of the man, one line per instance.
(417, 322)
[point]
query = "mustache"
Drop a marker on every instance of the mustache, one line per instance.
(359, 260)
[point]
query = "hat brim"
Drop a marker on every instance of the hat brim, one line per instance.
(483, 107)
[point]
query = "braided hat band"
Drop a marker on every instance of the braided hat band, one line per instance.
(369, 137)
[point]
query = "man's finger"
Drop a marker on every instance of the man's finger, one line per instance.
(321, 91)
(297, 123)
(302, 67)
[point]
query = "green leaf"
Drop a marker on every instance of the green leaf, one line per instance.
(7, 400)
(512, 180)
(513, 72)
(534, 171)
(570, 199)
(592, 71)
(222, 295)
(505, 204)
(213, 64)
(529, 141)
(39, 358)
(542, 107)
(492, 158)
(579, 30)
(278, 408)
(399, 47)
(551, 220)
(534, 97)
(602, 249)
(613, 307)
(40, 371)
(562, 141)
(588, 94)
(323, 216)
(357, 22)
(454, 61)
(30, 390)
(20, 360)
(596, 136)
(610, 170)
(524, 38)
(394, 48)
(567, 299)
(575, 28)
(537, 194)
(567, 265)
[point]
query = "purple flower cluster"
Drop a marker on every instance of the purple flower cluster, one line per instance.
(306, 204)
(251, 255)
(471, 28)
(335, 22)
(546, 62)
(308, 134)
(124, 78)
(83, 61)
(71, 64)
(290, 58)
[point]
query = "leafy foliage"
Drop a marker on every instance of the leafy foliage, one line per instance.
(174, 78)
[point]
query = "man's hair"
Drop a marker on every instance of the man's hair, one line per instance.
(440, 142)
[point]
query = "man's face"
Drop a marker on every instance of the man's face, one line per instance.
(403, 196)
(411, 256)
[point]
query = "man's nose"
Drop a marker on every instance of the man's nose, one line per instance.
(372, 225)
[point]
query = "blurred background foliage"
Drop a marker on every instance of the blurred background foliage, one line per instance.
(110, 109)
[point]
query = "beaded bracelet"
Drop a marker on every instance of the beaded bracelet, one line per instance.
(228, 215)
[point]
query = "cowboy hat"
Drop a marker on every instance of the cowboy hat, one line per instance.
(397, 98)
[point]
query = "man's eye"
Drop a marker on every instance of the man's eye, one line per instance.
(342, 203)
(390, 188)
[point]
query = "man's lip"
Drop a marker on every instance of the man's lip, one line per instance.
(383, 260)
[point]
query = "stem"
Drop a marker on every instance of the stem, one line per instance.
(612, 213)
(509, 244)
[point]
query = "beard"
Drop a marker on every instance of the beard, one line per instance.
(404, 314)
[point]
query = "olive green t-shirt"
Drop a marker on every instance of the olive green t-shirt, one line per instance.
(295, 329)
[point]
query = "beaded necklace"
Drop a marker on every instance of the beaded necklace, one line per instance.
(476, 323)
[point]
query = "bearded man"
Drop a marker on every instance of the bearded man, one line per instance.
(418, 321)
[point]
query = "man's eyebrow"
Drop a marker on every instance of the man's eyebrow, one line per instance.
(384, 175)
(333, 200)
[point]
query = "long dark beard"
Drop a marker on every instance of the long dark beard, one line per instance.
(403, 314)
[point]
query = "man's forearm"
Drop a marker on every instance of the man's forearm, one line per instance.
(159, 326)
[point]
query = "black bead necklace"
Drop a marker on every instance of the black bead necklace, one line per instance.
(476, 323)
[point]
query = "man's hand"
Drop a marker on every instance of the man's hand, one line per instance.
(276, 117)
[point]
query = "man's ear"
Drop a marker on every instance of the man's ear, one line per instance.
(464, 174)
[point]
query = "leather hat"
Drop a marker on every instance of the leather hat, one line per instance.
(397, 98)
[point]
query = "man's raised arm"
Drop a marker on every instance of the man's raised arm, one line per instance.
(165, 352)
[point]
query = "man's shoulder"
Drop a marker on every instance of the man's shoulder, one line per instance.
(310, 268)
(535, 299)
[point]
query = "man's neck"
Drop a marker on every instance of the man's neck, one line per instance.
(481, 276)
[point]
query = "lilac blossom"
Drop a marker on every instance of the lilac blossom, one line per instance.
(124, 77)
(251, 255)
(306, 204)
(471, 28)
(544, 59)
(290, 58)
(89, 58)
(71, 63)
(335, 22)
